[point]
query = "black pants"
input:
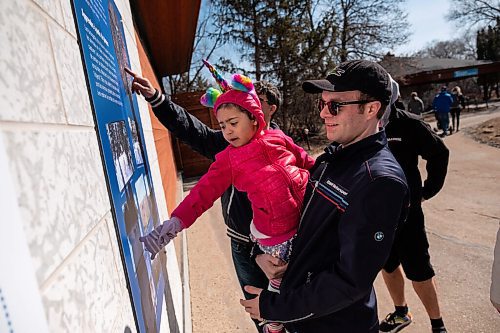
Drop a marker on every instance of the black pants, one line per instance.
(411, 248)
(455, 114)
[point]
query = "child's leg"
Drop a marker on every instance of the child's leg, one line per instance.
(281, 251)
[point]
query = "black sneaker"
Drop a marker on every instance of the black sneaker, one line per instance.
(439, 330)
(394, 322)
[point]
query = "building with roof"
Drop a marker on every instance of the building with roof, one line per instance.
(425, 75)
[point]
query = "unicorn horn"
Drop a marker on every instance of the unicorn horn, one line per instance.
(224, 86)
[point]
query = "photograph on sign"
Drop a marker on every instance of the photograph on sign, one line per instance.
(136, 144)
(122, 156)
(143, 200)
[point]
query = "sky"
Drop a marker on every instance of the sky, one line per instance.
(427, 23)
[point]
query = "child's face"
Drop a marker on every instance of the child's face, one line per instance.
(237, 128)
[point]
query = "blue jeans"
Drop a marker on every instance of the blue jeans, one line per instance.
(444, 120)
(247, 271)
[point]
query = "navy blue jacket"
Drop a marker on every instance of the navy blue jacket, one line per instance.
(236, 208)
(356, 198)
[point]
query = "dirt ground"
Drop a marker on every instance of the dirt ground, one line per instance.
(487, 132)
(462, 221)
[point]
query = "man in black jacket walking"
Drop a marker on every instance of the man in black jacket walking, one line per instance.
(409, 137)
(356, 197)
(236, 208)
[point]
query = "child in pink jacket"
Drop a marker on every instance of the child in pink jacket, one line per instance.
(264, 163)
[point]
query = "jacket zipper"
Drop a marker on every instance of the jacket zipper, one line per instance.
(265, 321)
(230, 199)
(316, 183)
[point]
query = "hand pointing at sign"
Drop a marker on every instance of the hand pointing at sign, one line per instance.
(141, 85)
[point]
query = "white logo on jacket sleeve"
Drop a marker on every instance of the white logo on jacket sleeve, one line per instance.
(336, 187)
(379, 236)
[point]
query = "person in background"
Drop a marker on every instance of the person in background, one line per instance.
(415, 105)
(456, 108)
(441, 104)
(399, 103)
(409, 138)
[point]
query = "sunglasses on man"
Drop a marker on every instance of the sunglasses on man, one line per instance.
(334, 107)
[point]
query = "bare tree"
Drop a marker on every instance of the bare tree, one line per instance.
(242, 23)
(289, 41)
(474, 13)
(459, 48)
(285, 41)
(369, 28)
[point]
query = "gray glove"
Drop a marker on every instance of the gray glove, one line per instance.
(161, 236)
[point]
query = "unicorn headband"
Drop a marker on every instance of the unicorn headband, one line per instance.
(220, 80)
(238, 82)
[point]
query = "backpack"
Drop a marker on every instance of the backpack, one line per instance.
(456, 101)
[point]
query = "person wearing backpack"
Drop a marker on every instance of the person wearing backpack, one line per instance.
(456, 107)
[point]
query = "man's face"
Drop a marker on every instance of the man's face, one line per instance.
(353, 122)
(267, 109)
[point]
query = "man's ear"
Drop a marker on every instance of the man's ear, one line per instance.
(373, 108)
(272, 110)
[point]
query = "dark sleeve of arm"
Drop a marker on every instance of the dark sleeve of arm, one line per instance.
(189, 129)
(433, 150)
(376, 211)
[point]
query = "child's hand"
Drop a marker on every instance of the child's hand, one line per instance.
(161, 236)
(140, 85)
(274, 268)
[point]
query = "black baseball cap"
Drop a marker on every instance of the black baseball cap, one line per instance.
(363, 75)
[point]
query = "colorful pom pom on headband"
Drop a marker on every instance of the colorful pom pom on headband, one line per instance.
(242, 83)
(208, 99)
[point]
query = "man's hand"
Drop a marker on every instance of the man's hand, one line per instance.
(141, 85)
(252, 305)
(274, 268)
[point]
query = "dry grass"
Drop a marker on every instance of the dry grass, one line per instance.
(487, 132)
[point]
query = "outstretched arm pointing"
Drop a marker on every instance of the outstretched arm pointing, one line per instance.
(141, 85)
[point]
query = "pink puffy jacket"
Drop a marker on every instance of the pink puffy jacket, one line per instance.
(271, 169)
